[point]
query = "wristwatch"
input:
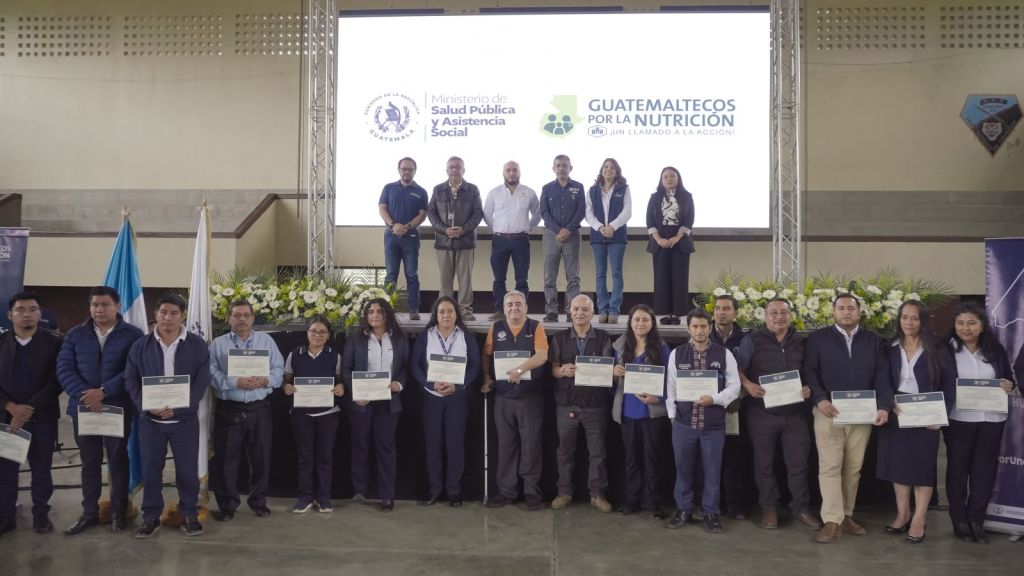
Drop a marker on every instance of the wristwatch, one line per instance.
(519, 371)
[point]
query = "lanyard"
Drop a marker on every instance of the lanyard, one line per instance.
(447, 349)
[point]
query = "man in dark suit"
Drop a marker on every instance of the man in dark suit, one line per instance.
(841, 358)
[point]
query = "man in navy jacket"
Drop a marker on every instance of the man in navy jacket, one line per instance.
(842, 358)
(169, 351)
(91, 370)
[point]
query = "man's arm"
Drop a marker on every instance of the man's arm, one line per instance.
(219, 372)
(133, 374)
(545, 211)
(476, 215)
(489, 209)
(436, 223)
(732, 382)
(670, 386)
(534, 210)
(67, 369)
(51, 389)
(580, 214)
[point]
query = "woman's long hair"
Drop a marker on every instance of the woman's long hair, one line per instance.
(929, 341)
(620, 180)
(991, 350)
(652, 344)
(390, 320)
(679, 178)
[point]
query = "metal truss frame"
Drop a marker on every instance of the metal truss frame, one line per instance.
(785, 141)
(321, 57)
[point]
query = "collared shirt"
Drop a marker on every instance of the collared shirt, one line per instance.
(606, 198)
(972, 365)
(379, 354)
(404, 202)
(724, 396)
(101, 336)
(454, 345)
(226, 388)
(908, 380)
(563, 206)
(512, 212)
(170, 350)
(848, 338)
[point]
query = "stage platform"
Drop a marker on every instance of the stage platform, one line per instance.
(481, 324)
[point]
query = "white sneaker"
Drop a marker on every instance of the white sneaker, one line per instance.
(301, 507)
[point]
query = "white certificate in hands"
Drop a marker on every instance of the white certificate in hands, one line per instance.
(14, 447)
(691, 385)
(855, 407)
(732, 423)
(594, 371)
(920, 410)
(781, 389)
(446, 368)
(506, 361)
(313, 392)
(981, 394)
(159, 392)
(109, 421)
(371, 386)
(644, 379)
(248, 363)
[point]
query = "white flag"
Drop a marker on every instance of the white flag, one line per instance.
(199, 322)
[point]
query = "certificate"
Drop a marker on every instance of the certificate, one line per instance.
(919, 410)
(14, 447)
(159, 392)
(507, 361)
(246, 363)
(781, 389)
(109, 421)
(855, 407)
(314, 392)
(594, 371)
(644, 379)
(446, 368)
(732, 423)
(692, 384)
(371, 386)
(979, 394)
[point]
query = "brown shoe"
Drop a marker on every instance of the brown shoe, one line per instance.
(770, 519)
(808, 519)
(561, 501)
(851, 527)
(829, 534)
(601, 504)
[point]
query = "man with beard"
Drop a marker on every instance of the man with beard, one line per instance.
(511, 210)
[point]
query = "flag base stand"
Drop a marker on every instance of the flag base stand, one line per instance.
(172, 518)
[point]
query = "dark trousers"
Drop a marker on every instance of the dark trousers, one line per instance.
(91, 451)
(502, 250)
(595, 423)
(671, 282)
(972, 452)
(379, 424)
(444, 433)
(766, 432)
(733, 456)
(314, 448)
(403, 251)
(40, 460)
(688, 445)
(643, 440)
(183, 437)
(519, 424)
(235, 430)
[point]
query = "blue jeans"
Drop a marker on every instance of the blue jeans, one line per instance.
(404, 251)
(609, 304)
(503, 250)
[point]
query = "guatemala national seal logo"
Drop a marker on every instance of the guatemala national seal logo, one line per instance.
(392, 117)
(991, 118)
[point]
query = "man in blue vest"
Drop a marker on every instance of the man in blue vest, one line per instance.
(698, 428)
(403, 207)
(518, 402)
(563, 205)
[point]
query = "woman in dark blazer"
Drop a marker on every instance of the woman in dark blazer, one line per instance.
(445, 404)
(376, 344)
(669, 225)
(973, 437)
(907, 456)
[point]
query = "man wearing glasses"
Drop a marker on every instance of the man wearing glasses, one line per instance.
(403, 207)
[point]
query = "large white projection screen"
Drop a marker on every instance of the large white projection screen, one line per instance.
(689, 90)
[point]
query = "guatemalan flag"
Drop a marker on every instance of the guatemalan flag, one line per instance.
(199, 319)
(123, 276)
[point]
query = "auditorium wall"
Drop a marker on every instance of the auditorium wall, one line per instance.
(892, 177)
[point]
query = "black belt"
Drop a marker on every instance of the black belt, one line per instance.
(233, 406)
(512, 236)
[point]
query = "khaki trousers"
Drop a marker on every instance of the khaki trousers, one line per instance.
(840, 456)
(452, 264)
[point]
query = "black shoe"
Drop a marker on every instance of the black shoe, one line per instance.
(41, 524)
(915, 539)
(551, 317)
(712, 524)
(533, 503)
(7, 524)
(455, 502)
(414, 315)
(148, 529)
(387, 505)
(497, 501)
(118, 522)
(191, 527)
(261, 511)
(429, 501)
(629, 508)
(902, 529)
(679, 520)
(736, 514)
(978, 532)
(224, 515)
(81, 525)
(657, 513)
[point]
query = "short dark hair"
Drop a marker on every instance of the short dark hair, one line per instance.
(730, 298)
(697, 313)
(410, 160)
(561, 157)
(24, 295)
(779, 299)
(238, 303)
(172, 299)
(846, 295)
(105, 291)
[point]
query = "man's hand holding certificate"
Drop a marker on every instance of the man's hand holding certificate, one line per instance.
(506, 365)
(692, 385)
(108, 421)
(594, 371)
(165, 392)
(782, 389)
(854, 407)
(14, 446)
(250, 368)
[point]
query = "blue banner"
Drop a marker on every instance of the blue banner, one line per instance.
(13, 248)
(1004, 300)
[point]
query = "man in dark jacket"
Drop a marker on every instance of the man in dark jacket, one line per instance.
(455, 210)
(28, 402)
(91, 371)
(169, 351)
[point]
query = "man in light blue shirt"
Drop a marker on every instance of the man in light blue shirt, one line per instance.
(243, 415)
